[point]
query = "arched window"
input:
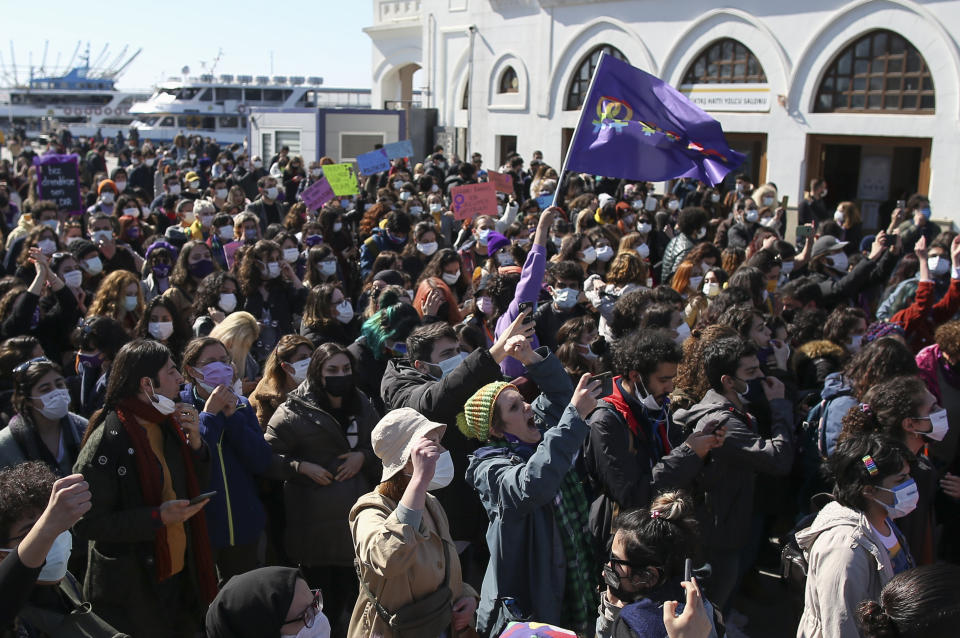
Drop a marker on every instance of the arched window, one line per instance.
(465, 100)
(577, 92)
(509, 82)
(725, 61)
(879, 72)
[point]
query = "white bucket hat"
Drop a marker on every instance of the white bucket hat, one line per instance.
(395, 435)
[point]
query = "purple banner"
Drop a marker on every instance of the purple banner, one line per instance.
(58, 179)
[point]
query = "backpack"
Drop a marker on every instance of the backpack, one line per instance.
(793, 563)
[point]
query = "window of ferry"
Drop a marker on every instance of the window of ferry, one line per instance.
(188, 92)
(228, 93)
(273, 95)
(253, 95)
(228, 121)
(167, 121)
(881, 71)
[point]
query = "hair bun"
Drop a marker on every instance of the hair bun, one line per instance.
(671, 506)
(874, 621)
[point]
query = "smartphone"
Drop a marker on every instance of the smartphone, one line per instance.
(606, 383)
(901, 203)
(528, 305)
(687, 570)
(199, 498)
(783, 202)
(804, 231)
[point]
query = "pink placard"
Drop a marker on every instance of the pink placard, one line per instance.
(471, 200)
(317, 194)
(501, 181)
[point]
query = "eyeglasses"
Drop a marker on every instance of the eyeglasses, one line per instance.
(309, 615)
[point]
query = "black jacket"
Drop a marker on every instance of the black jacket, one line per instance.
(266, 216)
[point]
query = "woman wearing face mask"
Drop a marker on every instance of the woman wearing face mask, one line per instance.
(696, 308)
(150, 569)
(691, 229)
(194, 263)
(328, 316)
(43, 428)
(527, 482)
(578, 247)
(627, 273)
(845, 327)
(44, 239)
(903, 409)
(119, 297)
(417, 253)
(274, 602)
(847, 215)
(239, 332)
(217, 296)
(286, 368)
(447, 266)
(291, 251)
(106, 198)
(688, 278)
(273, 294)
(401, 534)
(854, 547)
(322, 435)
(645, 568)
(382, 337)
(157, 266)
(322, 266)
(160, 323)
(235, 515)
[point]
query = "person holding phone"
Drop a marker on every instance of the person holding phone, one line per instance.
(230, 428)
(150, 570)
(540, 554)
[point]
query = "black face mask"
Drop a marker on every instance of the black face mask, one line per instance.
(339, 386)
(612, 581)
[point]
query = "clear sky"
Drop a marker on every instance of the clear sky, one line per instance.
(307, 37)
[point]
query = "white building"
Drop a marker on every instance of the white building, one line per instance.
(864, 93)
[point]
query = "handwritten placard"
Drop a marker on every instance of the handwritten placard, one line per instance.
(57, 180)
(373, 162)
(317, 194)
(471, 200)
(399, 149)
(501, 181)
(342, 178)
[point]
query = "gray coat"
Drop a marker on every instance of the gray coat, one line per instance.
(725, 485)
(317, 532)
(12, 452)
(847, 565)
(527, 560)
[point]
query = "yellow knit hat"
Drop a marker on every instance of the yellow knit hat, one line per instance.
(477, 413)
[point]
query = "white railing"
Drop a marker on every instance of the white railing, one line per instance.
(392, 10)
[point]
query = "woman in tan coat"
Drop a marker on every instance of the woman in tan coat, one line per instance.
(400, 532)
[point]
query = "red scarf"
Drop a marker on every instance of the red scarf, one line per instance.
(151, 484)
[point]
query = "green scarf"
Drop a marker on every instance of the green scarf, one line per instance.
(571, 512)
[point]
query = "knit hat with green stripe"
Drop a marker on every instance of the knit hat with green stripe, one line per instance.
(477, 413)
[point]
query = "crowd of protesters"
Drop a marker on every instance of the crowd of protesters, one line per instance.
(226, 413)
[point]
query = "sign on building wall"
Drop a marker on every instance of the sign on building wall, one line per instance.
(729, 97)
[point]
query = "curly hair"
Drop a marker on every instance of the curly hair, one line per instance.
(643, 352)
(208, 292)
(703, 251)
(731, 258)
(181, 330)
(573, 329)
(878, 361)
(740, 318)
(180, 276)
(628, 311)
(435, 269)
(691, 381)
(108, 301)
(251, 275)
(626, 268)
(947, 337)
(840, 322)
(24, 492)
(371, 218)
(33, 238)
(272, 389)
(884, 408)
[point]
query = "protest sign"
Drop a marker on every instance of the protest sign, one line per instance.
(471, 200)
(501, 181)
(57, 180)
(544, 201)
(342, 178)
(317, 194)
(373, 162)
(399, 149)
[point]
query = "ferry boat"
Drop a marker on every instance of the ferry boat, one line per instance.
(218, 106)
(83, 100)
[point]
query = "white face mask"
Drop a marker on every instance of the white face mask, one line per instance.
(161, 404)
(435, 208)
(786, 267)
(93, 265)
(316, 172)
(589, 255)
(643, 228)
(320, 629)
(940, 424)
(300, 370)
(565, 298)
(838, 261)
(768, 222)
(273, 270)
(637, 204)
(485, 305)
(443, 473)
(344, 311)
(711, 289)
(838, 216)
(449, 365)
(416, 210)
(47, 246)
(648, 400)
(228, 302)
(752, 215)
(149, 161)
(271, 192)
(328, 268)
(855, 342)
(206, 220)
(651, 203)
(121, 186)
(701, 233)
(643, 250)
(194, 185)
(404, 196)
(101, 236)
(130, 303)
(905, 499)
(605, 253)
(189, 216)
(673, 204)
(55, 567)
(73, 279)
(504, 258)
(160, 330)
(226, 233)
(106, 197)
(337, 226)
(291, 255)
(767, 201)
(174, 189)
(131, 212)
(221, 193)
(56, 403)
(450, 278)
(428, 248)
(938, 265)
(257, 164)
(715, 198)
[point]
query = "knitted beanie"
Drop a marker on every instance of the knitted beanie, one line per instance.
(477, 413)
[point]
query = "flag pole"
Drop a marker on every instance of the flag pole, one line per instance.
(576, 131)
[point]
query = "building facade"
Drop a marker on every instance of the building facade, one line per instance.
(865, 93)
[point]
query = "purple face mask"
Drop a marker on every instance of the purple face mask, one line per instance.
(216, 373)
(161, 271)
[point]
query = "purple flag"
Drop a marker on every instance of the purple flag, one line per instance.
(635, 126)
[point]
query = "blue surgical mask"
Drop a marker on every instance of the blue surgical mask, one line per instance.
(905, 498)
